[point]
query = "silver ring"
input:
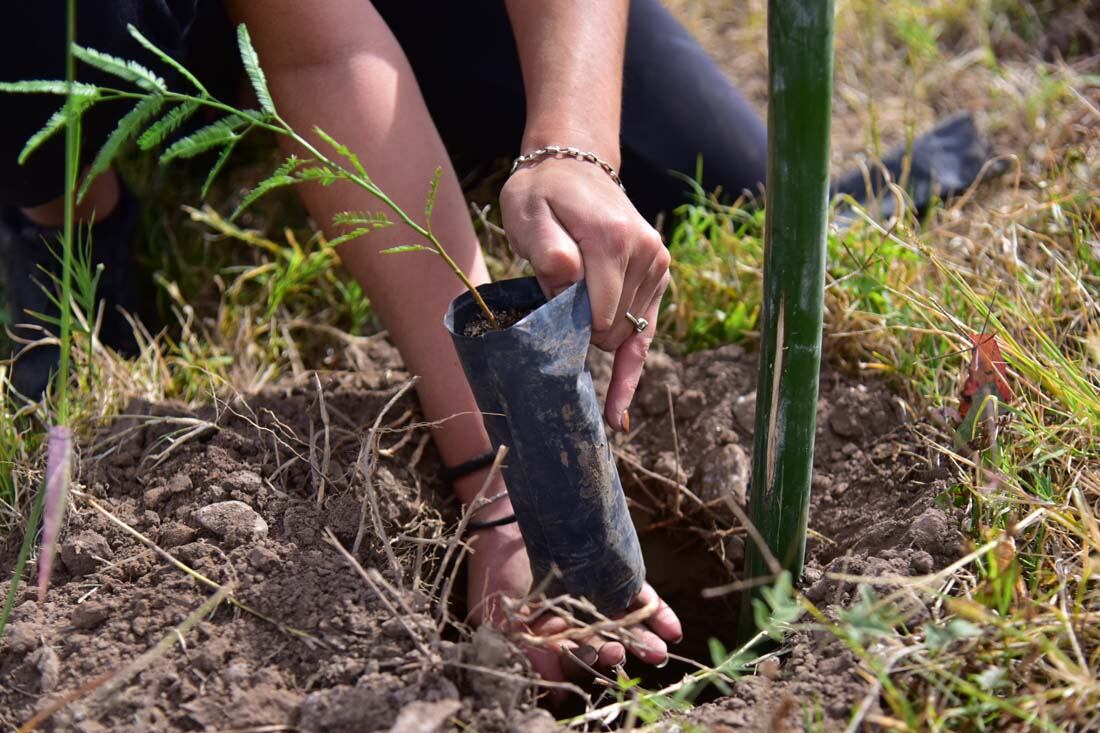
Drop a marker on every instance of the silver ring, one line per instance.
(640, 324)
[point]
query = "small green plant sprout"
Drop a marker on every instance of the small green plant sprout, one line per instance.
(776, 608)
(158, 112)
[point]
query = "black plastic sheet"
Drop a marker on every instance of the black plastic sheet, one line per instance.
(531, 383)
(945, 162)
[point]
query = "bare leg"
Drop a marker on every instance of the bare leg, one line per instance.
(99, 202)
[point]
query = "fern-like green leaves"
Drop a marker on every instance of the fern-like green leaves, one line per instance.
(217, 168)
(48, 86)
(167, 59)
(56, 123)
(290, 173)
(348, 236)
(370, 219)
(223, 132)
(130, 71)
(344, 151)
(407, 248)
(320, 174)
(166, 125)
(433, 189)
(252, 67)
(264, 187)
(127, 128)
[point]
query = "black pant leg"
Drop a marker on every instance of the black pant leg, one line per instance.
(32, 46)
(678, 106)
(677, 103)
(466, 63)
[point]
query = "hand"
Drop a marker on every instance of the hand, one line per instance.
(570, 220)
(499, 568)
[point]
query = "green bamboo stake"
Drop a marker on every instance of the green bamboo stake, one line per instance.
(800, 82)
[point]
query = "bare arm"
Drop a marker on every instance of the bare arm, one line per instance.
(566, 216)
(334, 63)
(572, 57)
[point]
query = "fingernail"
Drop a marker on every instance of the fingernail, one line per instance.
(625, 422)
(678, 639)
(587, 654)
(663, 664)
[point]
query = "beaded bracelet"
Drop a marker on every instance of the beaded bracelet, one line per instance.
(554, 151)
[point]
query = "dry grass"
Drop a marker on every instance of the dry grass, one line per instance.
(1015, 642)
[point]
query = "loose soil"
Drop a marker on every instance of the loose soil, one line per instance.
(325, 652)
(506, 318)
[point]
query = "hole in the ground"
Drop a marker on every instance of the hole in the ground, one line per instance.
(679, 566)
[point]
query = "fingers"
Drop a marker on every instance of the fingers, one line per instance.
(543, 241)
(577, 662)
(650, 644)
(645, 280)
(648, 647)
(664, 621)
(613, 272)
(627, 370)
(611, 654)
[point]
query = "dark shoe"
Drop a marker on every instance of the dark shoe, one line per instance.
(28, 256)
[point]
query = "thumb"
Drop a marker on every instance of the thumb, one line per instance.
(553, 254)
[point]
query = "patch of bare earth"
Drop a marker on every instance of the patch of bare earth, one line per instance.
(873, 513)
(324, 651)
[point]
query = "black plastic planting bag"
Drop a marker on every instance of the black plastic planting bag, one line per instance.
(531, 383)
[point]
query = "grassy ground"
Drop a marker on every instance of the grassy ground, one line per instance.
(1016, 642)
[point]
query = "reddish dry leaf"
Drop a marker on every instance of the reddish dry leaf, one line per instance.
(987, 370)
(59, 454)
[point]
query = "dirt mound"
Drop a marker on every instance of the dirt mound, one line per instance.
(237, 492)
(873, 513)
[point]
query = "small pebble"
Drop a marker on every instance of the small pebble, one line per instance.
(232, 520)
(90, 614)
